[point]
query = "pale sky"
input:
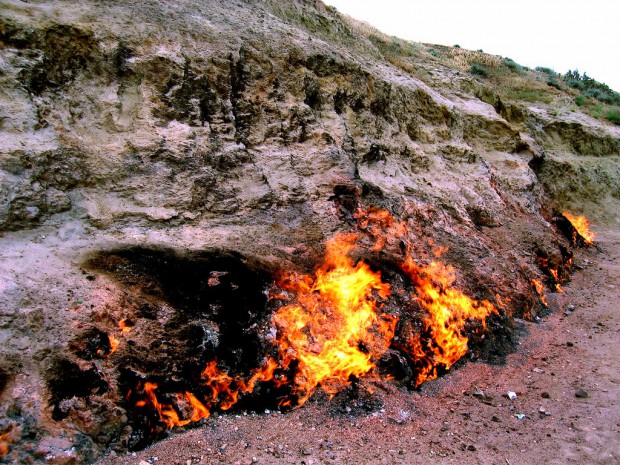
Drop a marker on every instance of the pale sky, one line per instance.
(557, 34)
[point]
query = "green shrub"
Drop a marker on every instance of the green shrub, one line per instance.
(591, 87)
(554, 83)
(545, 70)
(580, 100)
(600, 95)
(456, 46)
(513, 65)
(613, 116)
(479, 70)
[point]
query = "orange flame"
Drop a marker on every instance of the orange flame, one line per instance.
(331, 328)
(114, 343)
(552, 269)
(540, 290)
(334, 329)
(580, 223)
(124, 326)
(449, 310)
(4, 444)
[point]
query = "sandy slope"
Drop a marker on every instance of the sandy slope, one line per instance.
(445, 422)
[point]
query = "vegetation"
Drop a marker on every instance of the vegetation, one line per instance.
(513, 66)
(479, 70)
(613, 116)
(591, 88)
(548, 71)
(503, 77)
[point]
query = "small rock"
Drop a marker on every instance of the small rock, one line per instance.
(520, 416)
(545, 395)
(495, 419)
(542, 410)
(144, 462)
(570, 307)
(477, 392)
(581, 394)
(471, 448)
(537, 370)
(511, 395)
(306, 451)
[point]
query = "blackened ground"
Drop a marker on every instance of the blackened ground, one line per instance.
(185, 310)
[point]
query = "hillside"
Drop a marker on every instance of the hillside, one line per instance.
(172, 172)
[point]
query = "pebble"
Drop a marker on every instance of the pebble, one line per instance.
(544, 411)
(545, 395)
(511, 395)
(581, 394)
(144, 462)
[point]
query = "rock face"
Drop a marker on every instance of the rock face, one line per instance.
(251, 128)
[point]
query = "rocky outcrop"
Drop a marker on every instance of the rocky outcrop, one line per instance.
(250, 131)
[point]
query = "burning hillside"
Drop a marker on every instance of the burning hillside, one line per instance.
(214, 208)
(332, 327)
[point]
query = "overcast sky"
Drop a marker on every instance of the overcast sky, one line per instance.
(556, 34)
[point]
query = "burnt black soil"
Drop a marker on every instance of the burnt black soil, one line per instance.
(184, 310)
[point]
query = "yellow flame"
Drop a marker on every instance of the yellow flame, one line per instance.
(580, 223)
(448, 311)
(540, 290)
(334, 328)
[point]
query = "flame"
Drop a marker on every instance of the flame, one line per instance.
(124, 326)
(5, 440)
(538, 286)
(552, 269)
(334, 329)
(580, 223)
(331, 328)
(113, 344)
(448, 312)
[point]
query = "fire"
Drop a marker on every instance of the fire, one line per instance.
(538, 286)
(330, 328)
(580, 223)
(4, 444)
(556, 268)
(443, 340)
(124, 326)
(335, 328)
(114, 343)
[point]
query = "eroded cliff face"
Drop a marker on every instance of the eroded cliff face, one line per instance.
(250, 128)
